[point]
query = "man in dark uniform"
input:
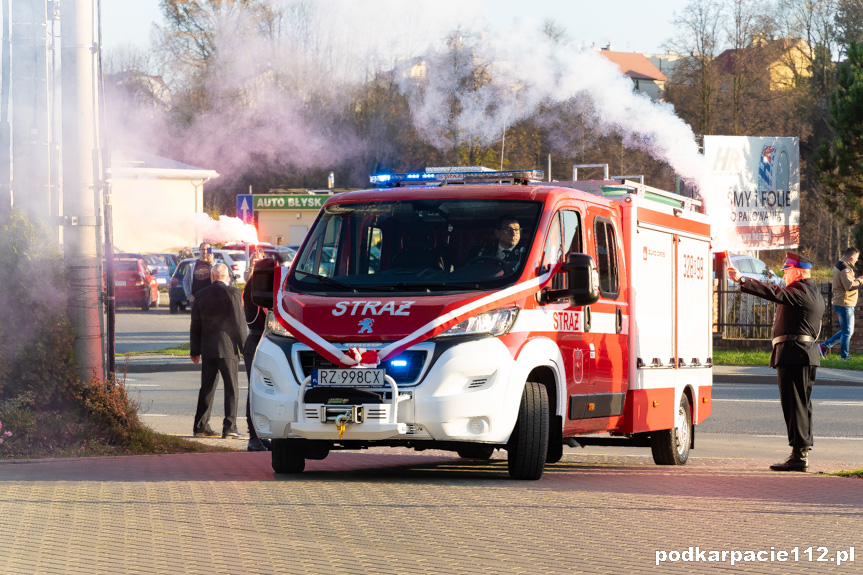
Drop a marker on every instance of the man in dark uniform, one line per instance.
(216, 334)
(795, 356)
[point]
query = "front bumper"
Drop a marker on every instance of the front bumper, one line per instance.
(464, 394)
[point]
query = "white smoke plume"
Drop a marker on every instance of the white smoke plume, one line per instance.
(521, 70)
(225, 229)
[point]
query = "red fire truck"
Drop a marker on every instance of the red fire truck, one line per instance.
(403, 321)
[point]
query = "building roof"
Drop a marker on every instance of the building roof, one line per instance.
(135, 163)
(636, 66)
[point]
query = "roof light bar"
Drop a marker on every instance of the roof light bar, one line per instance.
(392, 180)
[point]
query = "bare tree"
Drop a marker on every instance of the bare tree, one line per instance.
(748, 33)
(699, 24)
(848, 20)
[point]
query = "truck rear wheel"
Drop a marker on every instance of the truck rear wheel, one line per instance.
(671, 446)
(528, 445)
(288, 456)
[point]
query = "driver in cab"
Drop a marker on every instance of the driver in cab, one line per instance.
(508, 233)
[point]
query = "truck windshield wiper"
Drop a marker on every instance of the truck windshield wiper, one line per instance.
(432, 285)
(325, 280)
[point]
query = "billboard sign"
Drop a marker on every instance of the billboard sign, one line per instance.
(289, 201)
(759, 179)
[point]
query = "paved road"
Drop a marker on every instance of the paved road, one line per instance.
(394, 511)
(399, 513)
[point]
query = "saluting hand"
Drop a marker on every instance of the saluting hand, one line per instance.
(733, 274)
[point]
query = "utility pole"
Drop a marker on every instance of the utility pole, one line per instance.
(31, 154)
(5, 127)
(81, 201)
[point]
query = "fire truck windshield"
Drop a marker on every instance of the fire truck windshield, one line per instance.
(417, 245)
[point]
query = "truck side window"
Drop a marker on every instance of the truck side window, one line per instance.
(564, 237)
(320, 255)
(553, 249)
(374, 250)
(571, 232)
(606, 258)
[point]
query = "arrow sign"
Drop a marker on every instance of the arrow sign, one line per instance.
(244, 208)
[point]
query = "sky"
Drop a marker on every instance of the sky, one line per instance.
(629, 25)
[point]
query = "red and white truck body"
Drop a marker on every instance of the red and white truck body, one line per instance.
(394, 327)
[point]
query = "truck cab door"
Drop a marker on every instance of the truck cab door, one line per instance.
(599, 405)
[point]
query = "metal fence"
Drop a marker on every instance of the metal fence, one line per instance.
(745, 316)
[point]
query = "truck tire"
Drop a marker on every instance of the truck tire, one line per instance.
(174, 307)
(671, 446)
(477, 451)
(288, 456)
(528, 444)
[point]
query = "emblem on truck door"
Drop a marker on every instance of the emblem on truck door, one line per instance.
(578, 365)
(366, 325)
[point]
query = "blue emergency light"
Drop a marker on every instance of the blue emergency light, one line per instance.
(436, 175)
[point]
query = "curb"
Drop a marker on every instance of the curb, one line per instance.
(145, 364)
(771, 380)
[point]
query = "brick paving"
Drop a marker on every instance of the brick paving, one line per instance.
(396, 511)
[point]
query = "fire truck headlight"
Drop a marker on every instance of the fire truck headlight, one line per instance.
(274, 327)
(495, 322)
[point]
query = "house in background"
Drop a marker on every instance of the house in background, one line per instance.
(784, 60)
(154, 201)
(646, 77)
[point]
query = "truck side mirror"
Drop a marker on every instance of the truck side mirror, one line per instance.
(262, 279)
(582, 279)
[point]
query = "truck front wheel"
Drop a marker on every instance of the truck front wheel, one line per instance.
(528, 444)
(671, 446)
(288, 456)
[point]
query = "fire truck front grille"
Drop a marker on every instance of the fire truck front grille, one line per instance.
(405, 368)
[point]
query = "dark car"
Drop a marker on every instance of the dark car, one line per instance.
(134, 284)
(176, 294)
(282, 257)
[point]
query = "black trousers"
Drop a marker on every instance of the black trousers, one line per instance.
(210, 368)
(249, 347)
(795, 394)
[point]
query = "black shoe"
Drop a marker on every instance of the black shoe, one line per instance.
(206, 433)
(797, 461)
(232, 435)
(268, 443)
(255, 444)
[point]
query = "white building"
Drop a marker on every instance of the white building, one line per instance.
(154, 201)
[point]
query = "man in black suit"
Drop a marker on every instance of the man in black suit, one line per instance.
(256, 321)
(795, 356)
(217, 332)
(508, 234)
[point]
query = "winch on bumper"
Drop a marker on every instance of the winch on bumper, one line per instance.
(371, 421)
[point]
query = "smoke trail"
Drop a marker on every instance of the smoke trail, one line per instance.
(476, 85)
(225, 229)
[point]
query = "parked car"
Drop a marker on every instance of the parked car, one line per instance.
(752, 267)
(282, 257)
(162, 266)
(134, 284)
(176, 294)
